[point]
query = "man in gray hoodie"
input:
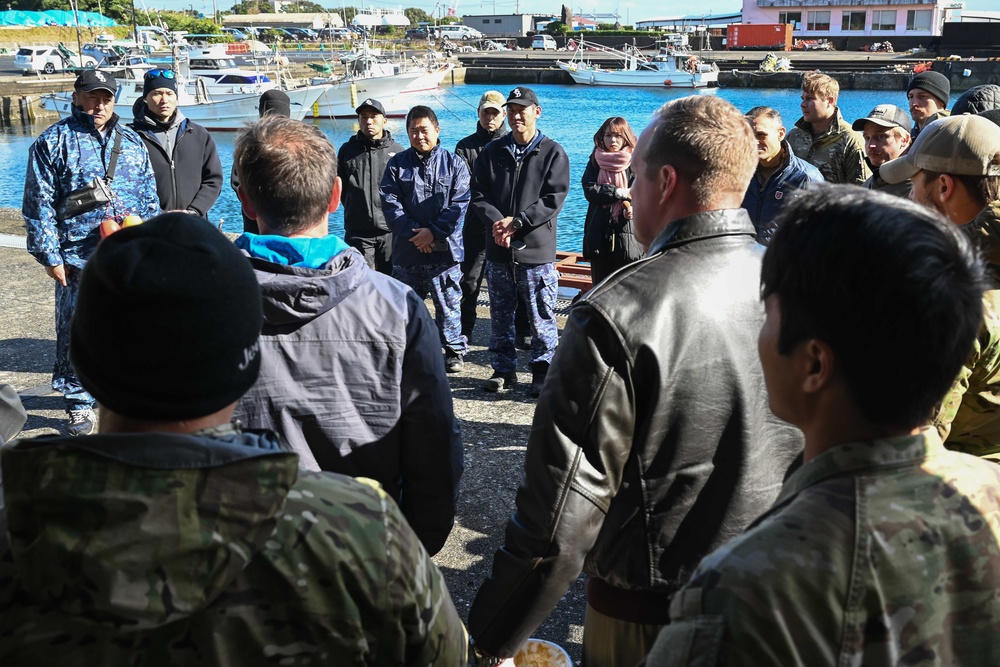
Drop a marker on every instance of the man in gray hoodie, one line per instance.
(183, 154)
(351, 373)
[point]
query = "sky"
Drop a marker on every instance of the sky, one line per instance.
(629, 10)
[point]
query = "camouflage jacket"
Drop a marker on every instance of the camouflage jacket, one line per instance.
(156, 549)
(838, 153)
(875, 182)
(64, 158)
(885, 552)
(969, 416)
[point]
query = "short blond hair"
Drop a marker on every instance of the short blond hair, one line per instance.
(820, 85)
(708, 141)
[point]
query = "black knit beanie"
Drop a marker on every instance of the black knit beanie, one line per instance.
(167, 321)
(275, 102)
(935, 83)
(151, 83)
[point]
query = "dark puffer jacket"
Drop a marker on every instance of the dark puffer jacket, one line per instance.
(360, 165)
(652, 443)
(763, 203)
(190, 177)
(977, 100)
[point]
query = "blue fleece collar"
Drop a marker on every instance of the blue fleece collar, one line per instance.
(310, 253)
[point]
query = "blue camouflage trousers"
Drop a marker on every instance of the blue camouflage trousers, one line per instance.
(64, 378)
(537, 286)
(443, 283)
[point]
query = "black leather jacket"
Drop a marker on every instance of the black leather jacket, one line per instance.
(652, 443)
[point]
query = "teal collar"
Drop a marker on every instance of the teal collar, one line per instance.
(307, 252)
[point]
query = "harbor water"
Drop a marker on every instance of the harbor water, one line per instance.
(570, 115)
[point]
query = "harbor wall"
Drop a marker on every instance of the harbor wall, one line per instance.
(962, 74)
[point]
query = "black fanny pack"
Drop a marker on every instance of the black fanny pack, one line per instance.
(94, 194)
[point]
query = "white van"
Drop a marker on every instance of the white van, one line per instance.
(455, 31)
(543, 42)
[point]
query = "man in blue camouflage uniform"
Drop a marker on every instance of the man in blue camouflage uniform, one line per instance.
(66, 157)
(883, 547)
(176, 537)
(519, 185)
(425, 194)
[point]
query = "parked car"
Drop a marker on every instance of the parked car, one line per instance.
(543, 42)
(336, 34)
(302, 34)
(455, 31)
(235, 33)
(417, 33)
(50, 59)
(103, 53)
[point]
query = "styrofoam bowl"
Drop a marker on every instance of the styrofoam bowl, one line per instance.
(541, 653)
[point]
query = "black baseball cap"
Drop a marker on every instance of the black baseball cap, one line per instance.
(92, 79)
(523, 96)
(373, 103)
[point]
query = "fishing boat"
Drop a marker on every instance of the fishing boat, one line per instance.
(370, 76)
(196, 102)
(669, 68)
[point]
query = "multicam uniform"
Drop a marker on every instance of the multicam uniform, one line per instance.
(969, 416)
(64, 158)
(838, 153)
(160, 549)
(885, 552)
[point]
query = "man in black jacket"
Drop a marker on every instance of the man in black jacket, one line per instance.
(652, 443)
(360, 165)
(519, 186)
(183, 154)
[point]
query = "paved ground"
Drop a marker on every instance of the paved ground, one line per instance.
(494, 430)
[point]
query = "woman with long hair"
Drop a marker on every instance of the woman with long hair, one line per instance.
(608, 235)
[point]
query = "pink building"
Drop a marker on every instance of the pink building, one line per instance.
(847, 18)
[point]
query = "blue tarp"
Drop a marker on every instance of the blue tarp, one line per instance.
(54, 17)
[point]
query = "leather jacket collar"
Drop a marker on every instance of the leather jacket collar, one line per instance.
(707, 224)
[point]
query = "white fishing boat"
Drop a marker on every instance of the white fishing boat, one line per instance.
(224, 112)
(667, 69)
(368, 76)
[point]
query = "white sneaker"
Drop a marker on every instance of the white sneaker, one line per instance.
(81, 422)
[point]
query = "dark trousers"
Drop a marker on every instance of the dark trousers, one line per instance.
(377, 250)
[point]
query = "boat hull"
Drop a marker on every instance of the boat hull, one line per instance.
(230, 113)
(593, 76)
(340, 101)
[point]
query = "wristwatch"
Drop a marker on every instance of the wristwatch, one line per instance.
(480, 659)
(517, 222)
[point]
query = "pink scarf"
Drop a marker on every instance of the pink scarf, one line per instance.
(613, 166)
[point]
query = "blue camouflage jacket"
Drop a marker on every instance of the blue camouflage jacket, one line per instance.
(431, 192)
(65, 158)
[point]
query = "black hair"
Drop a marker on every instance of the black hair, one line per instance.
(894, 289)
(420, 111)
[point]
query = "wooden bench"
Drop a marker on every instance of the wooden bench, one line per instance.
(572, 273)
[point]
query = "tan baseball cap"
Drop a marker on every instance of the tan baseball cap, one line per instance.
(491, 99)
(962, 145)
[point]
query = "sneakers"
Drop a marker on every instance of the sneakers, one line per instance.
(82, 421)
(453, 363)
(538, 379)
(500, 382)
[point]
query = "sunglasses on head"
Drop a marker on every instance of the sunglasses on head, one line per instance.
(157, 73)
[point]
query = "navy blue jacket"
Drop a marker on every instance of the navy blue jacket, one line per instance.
(534, 188)
(431, 192)
(763, 204)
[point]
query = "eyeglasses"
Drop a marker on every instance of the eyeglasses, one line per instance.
(157, 73)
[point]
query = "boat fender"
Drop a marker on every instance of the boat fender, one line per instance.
(591, 78)
(668, 83)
